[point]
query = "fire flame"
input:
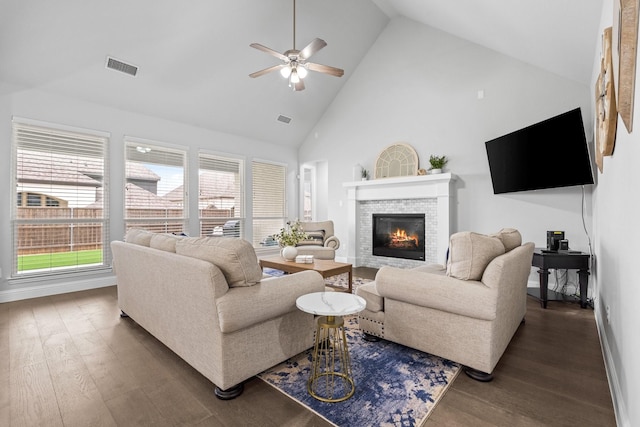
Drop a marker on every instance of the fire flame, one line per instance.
(401, 237)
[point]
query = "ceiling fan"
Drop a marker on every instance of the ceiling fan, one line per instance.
(294, 62)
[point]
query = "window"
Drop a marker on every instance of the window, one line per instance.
(155, 196)
(220, 196)
(269, 202)
(308, 193)
(40, 200)
(59, 211)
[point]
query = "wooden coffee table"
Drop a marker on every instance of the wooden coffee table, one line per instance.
(326, 268)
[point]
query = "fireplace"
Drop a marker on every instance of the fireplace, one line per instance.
(399, 236)
(431, 195)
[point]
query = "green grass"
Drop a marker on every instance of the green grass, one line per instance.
(59, 259)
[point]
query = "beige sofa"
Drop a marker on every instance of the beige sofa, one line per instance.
(322, 243)
(466, 312)
(206, 299)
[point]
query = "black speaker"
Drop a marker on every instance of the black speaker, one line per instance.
(553, 239)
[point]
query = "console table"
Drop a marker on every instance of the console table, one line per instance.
(570, 260)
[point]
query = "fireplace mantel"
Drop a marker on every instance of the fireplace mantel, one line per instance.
(400, 188)
(388, 188)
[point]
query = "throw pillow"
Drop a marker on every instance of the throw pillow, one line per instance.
(470, 253)
(164, 242)
(235, 257)
(138, 236)
(316, 238)
(510, 238)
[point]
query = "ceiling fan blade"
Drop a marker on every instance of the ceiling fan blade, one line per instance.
(338, 72)
(299, 86)
(267, 70)
(315, 45)
(269, 51)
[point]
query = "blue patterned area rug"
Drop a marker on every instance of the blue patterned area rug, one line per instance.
(395, 385)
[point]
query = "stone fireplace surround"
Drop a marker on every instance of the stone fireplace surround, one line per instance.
(428, 194)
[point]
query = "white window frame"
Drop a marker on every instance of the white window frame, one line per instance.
(177, 224)
(71, 141)
(239, 213)
(311, 170)
(277, 220)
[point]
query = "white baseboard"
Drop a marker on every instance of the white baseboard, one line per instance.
(619, 406)
(44, 290)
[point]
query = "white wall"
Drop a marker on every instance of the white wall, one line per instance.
(617, 233)
(420, 85)
(38, 105)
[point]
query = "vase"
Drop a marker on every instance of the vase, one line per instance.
(356, 171)
(289, 253)
(435, 171)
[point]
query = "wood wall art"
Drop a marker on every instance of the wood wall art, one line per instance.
(396, 160)
(606, 112)
(625, 43)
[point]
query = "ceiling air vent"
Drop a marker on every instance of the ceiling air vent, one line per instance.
(284, 119)
(123, 67)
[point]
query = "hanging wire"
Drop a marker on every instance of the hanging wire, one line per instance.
(591, 258)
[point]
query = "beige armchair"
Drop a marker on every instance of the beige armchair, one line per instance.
(466, 312)
(322, 244)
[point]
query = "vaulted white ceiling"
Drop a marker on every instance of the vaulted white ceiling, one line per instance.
(194, 56)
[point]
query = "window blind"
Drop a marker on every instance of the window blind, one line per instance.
(220, 196)
(60, 208)
(155, 195)
(269, 201)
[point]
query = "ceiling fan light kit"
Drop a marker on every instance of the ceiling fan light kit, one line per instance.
(295, 66)
(293, 77)
(302, 72)
(285, 72)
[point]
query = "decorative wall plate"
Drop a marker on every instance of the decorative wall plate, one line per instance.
(606, 112)
(396, 160)
(624, 49)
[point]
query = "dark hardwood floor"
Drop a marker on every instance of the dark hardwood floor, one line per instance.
(70, 360)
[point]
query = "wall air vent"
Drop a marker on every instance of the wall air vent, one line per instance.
(123, 67)
(284, 119)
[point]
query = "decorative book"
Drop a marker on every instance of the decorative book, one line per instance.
(304, 259)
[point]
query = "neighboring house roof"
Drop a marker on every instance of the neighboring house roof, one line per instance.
(139, 198)
(64, 169)
(57, 168)
(138, 171)
(212, 185)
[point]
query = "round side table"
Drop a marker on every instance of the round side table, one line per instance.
(330, 379)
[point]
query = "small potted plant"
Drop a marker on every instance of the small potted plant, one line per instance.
(437, 163)
(289, 237)
(364, 174)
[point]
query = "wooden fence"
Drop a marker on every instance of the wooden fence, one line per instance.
(52, 237)
(80, 236)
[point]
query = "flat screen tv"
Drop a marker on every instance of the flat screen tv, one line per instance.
(552, 153)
